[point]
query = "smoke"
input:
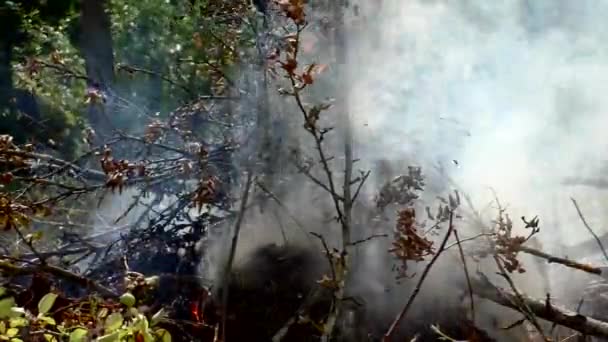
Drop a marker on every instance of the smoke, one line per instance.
(505, 95)
(499, 99)
(505, 98)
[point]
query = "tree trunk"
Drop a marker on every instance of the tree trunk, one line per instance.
(97, 51)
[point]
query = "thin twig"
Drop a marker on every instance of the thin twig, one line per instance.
(235, 238)
(426, 271)
(274, 197)
(519, 300)
(599, 242)
(371, 237)
(466, 273)
(327, 253)
(469, 239)
(30, 245)
(362, 181)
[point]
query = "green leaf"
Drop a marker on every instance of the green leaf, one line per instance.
(78, 335)
(17, 312)
(164, 335)
(127, 299)
(18, 322)
(46, 303)
(148, 337)
(6, 305)
(12, 332)
(113, 337)
(50, 338)
(102, 313)
(113, 322)
(141, 323)
(47, 320)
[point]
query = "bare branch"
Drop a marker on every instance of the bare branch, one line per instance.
(597, 239)
(466, 273)
(369, 238)
(11, 269)
(566, 262)
(586, 325)
(235, 238)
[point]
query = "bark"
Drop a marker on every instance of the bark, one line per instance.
(6, 80)
(540, 308)
(564, 261)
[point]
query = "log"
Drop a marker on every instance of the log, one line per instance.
(483, 288)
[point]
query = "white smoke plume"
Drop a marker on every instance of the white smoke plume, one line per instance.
(503, 94)
(506, 97)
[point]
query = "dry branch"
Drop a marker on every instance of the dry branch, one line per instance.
(566, 262)
(12, 270)
(540, 308)
(235, 238)
(582, 217)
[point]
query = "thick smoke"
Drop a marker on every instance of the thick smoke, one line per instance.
(507, 95)
(496, 98)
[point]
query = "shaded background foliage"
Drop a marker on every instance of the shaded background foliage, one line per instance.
(165, 54)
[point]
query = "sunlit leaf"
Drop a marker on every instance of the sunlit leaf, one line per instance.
(6, 305)
(113, 337)
(113, 322)
(47, 320)
(164, 335)
(50, 338)
(102, 313)
(18, 322)
(17, 312)
(12, 332)
(46, 303)
(127, 299)
(78, 335)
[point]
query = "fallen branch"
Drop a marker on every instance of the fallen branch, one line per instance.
(519, 301)
(540, 308)
(563, 261)
(13, 270)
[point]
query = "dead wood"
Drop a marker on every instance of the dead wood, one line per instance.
(540, 308)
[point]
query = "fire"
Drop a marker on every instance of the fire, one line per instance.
(194, 310)
(197, 306)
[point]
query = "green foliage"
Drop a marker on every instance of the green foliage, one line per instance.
(126, 325)
(177, 49)
(166, 52)
(46, 303)
(49, 67)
